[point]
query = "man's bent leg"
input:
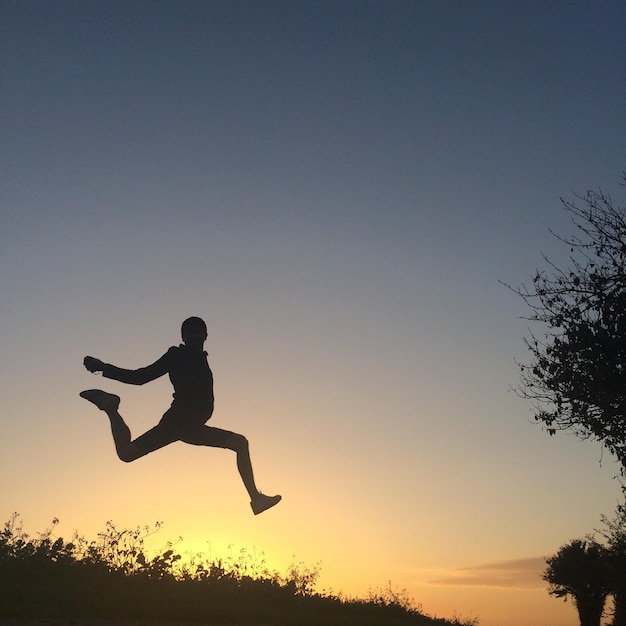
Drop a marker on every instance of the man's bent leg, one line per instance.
(218, 438)
(240, 445)
(258, 501)
(109, 403)
(126, 449)
(153, 439)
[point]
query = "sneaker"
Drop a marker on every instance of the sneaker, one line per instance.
(103, 400)
(262, 503)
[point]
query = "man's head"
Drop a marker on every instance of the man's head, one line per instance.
(193, 331)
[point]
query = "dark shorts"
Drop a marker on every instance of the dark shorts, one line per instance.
(183, 424)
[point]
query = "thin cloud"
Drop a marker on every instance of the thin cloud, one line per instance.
(518, 573)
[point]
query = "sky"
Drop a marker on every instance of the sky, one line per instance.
(339, 189)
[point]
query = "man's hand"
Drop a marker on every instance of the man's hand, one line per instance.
(92, 364)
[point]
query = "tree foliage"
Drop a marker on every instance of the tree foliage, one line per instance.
(580, 570)
(577, 375)
(615, 537)
(590, 571)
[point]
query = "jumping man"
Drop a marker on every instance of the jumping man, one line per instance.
(191, 407)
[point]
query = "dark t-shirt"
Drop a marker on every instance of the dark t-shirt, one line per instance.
(189, 373)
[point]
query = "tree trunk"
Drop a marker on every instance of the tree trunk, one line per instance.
(590, 611)
(619, 613)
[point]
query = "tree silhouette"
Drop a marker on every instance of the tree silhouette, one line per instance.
(615, 535)
(580, 570)
(577, 375)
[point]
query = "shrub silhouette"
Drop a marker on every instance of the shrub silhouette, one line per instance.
(112, 577)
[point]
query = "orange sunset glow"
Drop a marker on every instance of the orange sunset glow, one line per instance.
(337, 189)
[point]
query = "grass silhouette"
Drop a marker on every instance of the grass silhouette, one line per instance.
(112, 578)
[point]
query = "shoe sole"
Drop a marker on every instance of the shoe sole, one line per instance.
(101, 399)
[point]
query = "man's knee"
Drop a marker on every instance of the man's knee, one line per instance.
(129, 453)
(238, 442)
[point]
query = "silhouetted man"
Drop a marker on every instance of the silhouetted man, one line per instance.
(186, 418)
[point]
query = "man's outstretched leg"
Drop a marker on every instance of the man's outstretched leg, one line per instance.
(216, 437)
(109, 403)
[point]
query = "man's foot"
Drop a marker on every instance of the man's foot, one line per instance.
(262, 503)
(103, 400)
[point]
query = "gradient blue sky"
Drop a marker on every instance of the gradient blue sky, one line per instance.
(337, 188)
